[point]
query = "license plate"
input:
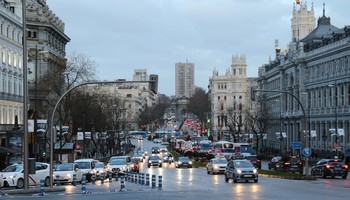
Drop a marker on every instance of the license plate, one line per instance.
(248, 175)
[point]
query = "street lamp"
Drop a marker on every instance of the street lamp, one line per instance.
(308, 100)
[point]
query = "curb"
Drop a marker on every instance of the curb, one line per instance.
(308, 178)
(33, 190)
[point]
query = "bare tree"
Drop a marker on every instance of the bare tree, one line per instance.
(236, 119)
(258, 120)
(199, 104)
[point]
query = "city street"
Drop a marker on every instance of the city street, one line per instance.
(196, 183)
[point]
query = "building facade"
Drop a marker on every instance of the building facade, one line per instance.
(184, 80)
(11, 78)
(229, 94)
(315, 106)
(303, 21)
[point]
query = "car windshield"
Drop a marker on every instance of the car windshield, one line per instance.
(99, 165)
(184, 159)
(83, 165)
(117, 162)
(154, 158)
(228, 150)
(64, 167)
(221, 161)
(251, 158)
(13, 168)
(243, 164)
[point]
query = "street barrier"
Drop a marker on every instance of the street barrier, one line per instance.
(132, 177)
(143, 178)
(147, 179)
(160, 182)
(102, 178)
(93, 179)
(110, 177)
(122, 186)
(74, 183)
(42, 187)
(83, 183)
(153, 181)
(135, 178)
(128, 176)
(58, 180)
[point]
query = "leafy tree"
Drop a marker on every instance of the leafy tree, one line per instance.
(199, 104)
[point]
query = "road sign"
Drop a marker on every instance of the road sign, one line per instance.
(306, 152)
(296, 145)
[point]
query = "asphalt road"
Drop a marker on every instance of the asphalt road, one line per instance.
(195, 183)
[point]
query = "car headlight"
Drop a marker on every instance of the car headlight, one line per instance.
(179, 162)
(149, 161)
(215, 167)
(159, 161)
(68, 175)
(190, 162)
(239, 171)
(255, 171)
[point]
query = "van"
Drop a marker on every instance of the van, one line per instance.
(87, 167)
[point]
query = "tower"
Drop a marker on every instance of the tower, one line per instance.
(184, 79)
(303, 21)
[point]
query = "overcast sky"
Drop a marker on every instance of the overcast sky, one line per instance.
(123, 35)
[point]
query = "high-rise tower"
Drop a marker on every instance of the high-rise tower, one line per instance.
(303, 21)
(184, 79)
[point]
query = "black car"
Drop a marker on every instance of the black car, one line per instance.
(154, 161)
(330, 167)
(155, 150)
(168, 158)
(291, 164)
(254, 160)
(273, 162)
(183, 162)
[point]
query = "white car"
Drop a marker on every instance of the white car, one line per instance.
(216, 165)
(119, 165)
(64, 173)
(13, 175)
(101, 168)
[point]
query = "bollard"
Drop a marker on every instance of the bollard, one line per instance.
(122, 186)
(42, 187)
(160, 182)
(135, 178)
(132, 177)
(102, 178)
(140, 178)
(147, 179)
(116, 176)
(110, 177)
(153, 181)
(128, 176)
(58, 180)
(143, 179)
(74, 182)
(83, 183)
(93, 179)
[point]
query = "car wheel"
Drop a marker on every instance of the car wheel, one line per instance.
(208, 171)
(160, 165)
(20, 183)
(344, 176)
(149, 166)
(333, 176)
(255, 181)
(47, 181)
(234, 180)
(323, 174)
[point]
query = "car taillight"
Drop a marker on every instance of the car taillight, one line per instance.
(329, 166)
(344, 166)
(258, 161)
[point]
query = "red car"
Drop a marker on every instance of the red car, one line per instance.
(254, 160)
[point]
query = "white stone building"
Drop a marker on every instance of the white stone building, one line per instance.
(229, 91)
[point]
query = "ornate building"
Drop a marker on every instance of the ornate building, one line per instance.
(315, 75)
(229, 96)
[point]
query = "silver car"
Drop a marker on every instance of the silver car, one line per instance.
(216, 165)
(241, 170)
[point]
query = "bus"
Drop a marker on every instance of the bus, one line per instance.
(229, 148)
(205, 146)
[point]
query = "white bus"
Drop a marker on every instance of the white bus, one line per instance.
(229, 148)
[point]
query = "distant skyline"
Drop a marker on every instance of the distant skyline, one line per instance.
(124, 35)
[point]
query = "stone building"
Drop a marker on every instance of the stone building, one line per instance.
(314, 75)
(230, 93)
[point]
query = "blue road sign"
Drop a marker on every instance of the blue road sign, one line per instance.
(296, 145)
(306, 152)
